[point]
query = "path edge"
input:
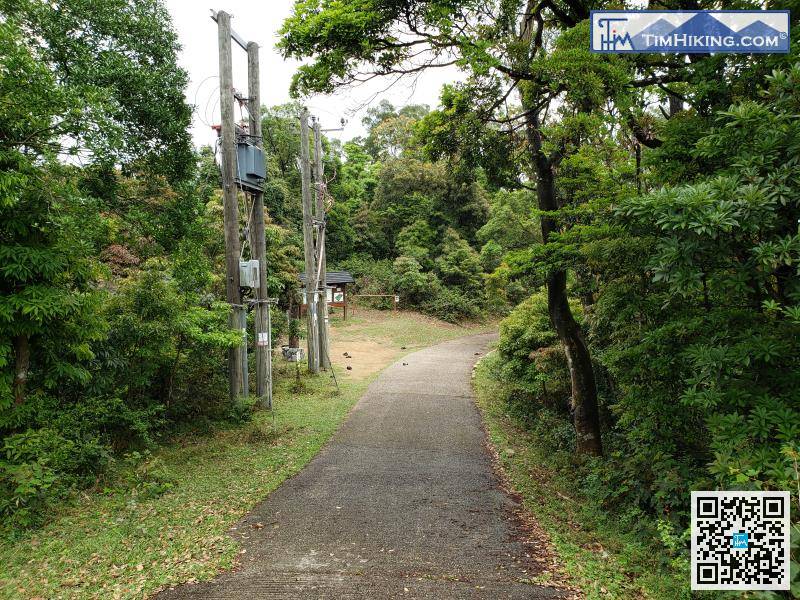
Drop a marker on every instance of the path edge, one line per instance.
(521, 520)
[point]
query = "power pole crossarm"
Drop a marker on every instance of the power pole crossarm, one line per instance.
(234, 36)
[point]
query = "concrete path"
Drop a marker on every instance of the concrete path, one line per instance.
(401, 503)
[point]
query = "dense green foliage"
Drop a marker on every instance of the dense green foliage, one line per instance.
(402, 221)
(690, 293)
(719, 361)
(111, 332)
(635, 217)
(667, 194)
(68, 396)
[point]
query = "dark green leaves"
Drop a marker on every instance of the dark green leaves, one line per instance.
(117, 89)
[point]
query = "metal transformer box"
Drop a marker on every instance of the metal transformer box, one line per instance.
(251, 168)
(249, 275)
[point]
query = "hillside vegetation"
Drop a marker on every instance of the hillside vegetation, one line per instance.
(634, 219)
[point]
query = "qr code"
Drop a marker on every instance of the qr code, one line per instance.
(740, 540)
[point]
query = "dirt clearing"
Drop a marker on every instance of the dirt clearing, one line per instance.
(373, 339)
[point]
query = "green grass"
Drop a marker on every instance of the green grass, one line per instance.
(130, 541)
(402, 328)
(600, 559)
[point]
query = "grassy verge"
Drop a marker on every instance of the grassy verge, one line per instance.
(403, 328)
(600, 559)
(168, 524)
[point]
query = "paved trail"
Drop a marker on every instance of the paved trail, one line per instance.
(402, 503)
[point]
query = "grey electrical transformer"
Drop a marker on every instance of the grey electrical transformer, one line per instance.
(249, 273)
(251, 169)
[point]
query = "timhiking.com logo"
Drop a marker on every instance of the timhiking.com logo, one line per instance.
(689, 32)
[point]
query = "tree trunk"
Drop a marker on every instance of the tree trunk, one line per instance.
(584, 389)
(22, 353)
(675, 105)
(294, 311)
(174, 370)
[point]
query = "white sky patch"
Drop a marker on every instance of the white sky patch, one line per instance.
(260, 22)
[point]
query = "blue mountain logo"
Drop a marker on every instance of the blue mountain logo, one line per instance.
(758, 28)
(703, 32)
(659, 28)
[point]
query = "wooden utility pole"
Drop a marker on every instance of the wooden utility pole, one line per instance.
(263, 319)
(312, 321)
(322, 267)
(229, 197)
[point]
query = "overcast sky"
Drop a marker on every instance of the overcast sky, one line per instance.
(259, 21)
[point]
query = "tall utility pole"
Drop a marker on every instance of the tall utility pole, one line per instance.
(263, 320)
(229, 197)
(312, 321)
(322, 267)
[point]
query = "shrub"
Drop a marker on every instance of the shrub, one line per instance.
(491, 255)
(372, 277)
(458, 265)
(533, 359)
(414, 286)
(164, 349)
(503, 292)
(40, 465)
(25, 489)
(452, 305)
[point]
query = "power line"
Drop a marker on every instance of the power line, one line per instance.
(197, 93)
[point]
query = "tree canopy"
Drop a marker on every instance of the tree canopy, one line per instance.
(633, 219)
